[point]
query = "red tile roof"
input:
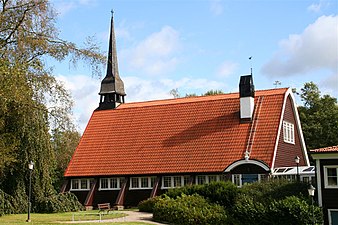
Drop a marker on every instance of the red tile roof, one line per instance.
(326, 149)
(185, 135)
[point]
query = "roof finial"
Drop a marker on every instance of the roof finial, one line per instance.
(112, 12)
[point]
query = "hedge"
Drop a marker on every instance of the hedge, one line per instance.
(189, 210)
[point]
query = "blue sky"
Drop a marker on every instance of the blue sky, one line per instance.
(196, 46)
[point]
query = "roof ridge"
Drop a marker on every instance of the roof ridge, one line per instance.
(184, 100)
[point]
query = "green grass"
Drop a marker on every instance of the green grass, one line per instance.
(59, 218)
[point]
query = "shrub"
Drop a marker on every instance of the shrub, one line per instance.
(148, 204)
(222, 193)
(189, 210)
(291, 210)
(62, 202)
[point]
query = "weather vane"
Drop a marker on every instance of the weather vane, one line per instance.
(251, 64)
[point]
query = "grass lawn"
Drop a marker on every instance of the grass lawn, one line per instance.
(62, 218)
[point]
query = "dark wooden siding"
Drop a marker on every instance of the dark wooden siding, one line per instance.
(286, 152)
(133, 197)
(106, 196)
(81, 196)
(329, 196)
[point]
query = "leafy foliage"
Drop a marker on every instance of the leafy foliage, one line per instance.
(62, 202)
(319, 117)
(32, 101)
(189, 210)
(273, 202)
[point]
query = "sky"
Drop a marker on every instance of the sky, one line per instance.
(196, 46)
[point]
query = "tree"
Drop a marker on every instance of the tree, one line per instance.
(64, 144)
(319, 117)
(32, 101)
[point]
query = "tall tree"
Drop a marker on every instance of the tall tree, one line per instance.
(319, 117)
(32, 101)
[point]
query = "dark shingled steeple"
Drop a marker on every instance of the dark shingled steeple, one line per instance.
(112, 88)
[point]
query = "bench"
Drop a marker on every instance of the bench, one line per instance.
(104, 207)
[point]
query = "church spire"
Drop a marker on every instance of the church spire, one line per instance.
(112, 88)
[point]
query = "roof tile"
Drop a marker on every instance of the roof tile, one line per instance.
(185, 135)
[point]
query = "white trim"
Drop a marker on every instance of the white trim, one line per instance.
(250, 161)
(139, 187)
(79, 183)
(329, 215)
(325, 155)
(118, 179)
(206, 178)
(319, 184)
(172, 183)
(326, 185)
(298, 126)
(288, 132)
(240, 176)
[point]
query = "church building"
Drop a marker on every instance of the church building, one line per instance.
(132, 151)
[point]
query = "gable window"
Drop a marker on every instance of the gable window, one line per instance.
(113, 183)
(174, 181)
(80, 184)
(142, 182)
(331, 176)
(288, 132)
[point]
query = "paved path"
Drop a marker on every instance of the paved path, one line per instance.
(133, 216)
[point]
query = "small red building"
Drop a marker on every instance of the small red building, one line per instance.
(327, 181)
(132, 151)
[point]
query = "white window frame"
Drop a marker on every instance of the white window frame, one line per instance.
(289, 132)
(329, 215)
(119, 183)
(171, 179)
(151, 181)
(239, 176)
(79, 184)
(206, 177)
(326, 182)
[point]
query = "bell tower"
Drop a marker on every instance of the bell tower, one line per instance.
(112, 88)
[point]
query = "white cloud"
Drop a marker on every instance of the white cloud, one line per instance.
(84, 90)
(330, 85)
(317, 7)
(226, 68)
(216, 7)
(315, 49)
(63, 7)
(156, 54)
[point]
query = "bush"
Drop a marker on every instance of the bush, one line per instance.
(148, 205)
(222, 193)
(189, 210)
(62, 202)
(6, 203)
(275, 190)
(291, 210)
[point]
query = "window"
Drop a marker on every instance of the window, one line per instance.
(174, 181)
(331, 176)
(134, 182)
(81, 184)
(241, 179)
(177, 181)
(142, 182)
(201, 179)
(237, 179)
(206, 179)
(288, 132)
(113, 183)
